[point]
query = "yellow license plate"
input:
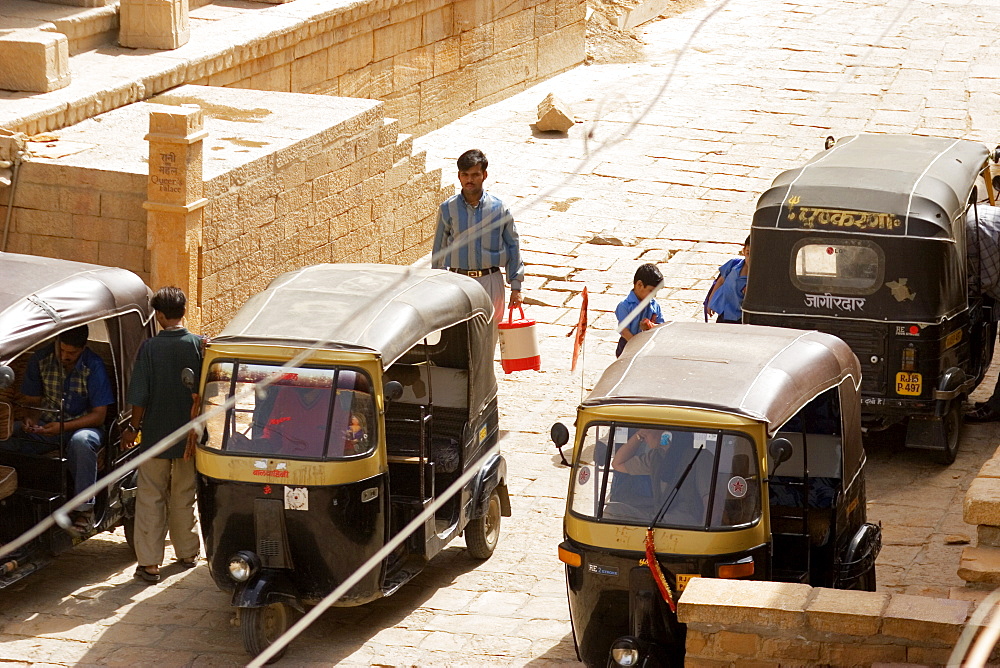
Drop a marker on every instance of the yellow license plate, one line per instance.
(908, 383)
(682, 580)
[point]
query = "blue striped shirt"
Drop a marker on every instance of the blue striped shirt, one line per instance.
(477, 237)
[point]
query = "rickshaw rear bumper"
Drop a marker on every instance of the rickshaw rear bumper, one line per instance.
(266, 587)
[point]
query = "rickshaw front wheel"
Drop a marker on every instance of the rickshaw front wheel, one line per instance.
(262, 626)
(483, 533)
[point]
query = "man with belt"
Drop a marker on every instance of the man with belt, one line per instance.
(476, 235)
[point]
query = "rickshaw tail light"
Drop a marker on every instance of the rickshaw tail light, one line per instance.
(569, 557)
(740, 569)
(909, 362)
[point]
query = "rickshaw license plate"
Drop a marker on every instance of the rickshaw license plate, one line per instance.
(908, 383)
(682, 580)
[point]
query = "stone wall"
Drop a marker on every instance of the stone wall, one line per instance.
(81, 214)
(430, 61)
(742, 622)
(288, 180)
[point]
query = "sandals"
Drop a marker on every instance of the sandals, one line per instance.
(142, 572)
(83, 521)
(188, 562)
(982, 413)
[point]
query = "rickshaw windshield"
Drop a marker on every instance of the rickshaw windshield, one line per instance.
(309, 413)
(626, 472)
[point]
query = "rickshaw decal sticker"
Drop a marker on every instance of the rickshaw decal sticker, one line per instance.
(738, 486)
(952, 339)
(482, 433)
(261, 468)
(900, 291)
(267, 489)
(369, 494)
(809, 217)
(584, 475)
(912, 330)
(296, 498)
(826, 300)
(602, 570)
(684, 578)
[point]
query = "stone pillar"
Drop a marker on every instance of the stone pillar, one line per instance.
(175, 202)
(153, 24)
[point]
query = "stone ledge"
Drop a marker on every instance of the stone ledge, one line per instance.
(34, 61)
(980, 564)
(982, 502)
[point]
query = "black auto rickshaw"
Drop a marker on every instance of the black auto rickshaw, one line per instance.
(39, 299)
(710, 451)
(361, 392)
(868, 241)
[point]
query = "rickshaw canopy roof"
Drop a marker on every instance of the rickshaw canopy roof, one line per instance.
(905, 177)
(378, 308)
(41, 297)
(762, 373)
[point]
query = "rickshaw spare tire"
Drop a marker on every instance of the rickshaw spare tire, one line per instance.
(260, 627)
(952, 431)
(483, 533)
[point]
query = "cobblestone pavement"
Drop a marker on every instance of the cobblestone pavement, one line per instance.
(670, 158)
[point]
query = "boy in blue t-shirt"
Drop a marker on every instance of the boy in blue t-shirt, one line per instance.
(647, 279)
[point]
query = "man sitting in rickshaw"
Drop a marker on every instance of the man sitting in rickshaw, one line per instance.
(653, 453)
(71, 392)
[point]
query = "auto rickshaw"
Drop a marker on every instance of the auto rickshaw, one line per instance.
(41, 298)
(318, 464)
(874, 241)
(710, 451)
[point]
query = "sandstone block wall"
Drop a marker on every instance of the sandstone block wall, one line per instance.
(354, 194)
(290, 180)
(430, 61)
(80, 214)
(740, 623)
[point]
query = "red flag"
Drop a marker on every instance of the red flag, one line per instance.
(580, 329)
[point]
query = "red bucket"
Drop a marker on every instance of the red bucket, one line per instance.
(519, 344)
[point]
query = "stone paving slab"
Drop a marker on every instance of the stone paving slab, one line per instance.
(676, 168)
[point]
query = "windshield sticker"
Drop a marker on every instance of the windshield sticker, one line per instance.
(900, 291)
(811, 216)
(584, 475)
(296, 498)
(738, 486)
(602, 570)
(829, 301)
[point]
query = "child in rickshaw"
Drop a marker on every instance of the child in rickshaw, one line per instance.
(647, 279)
(355, 439)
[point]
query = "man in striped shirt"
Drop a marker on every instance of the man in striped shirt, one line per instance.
(476, 235)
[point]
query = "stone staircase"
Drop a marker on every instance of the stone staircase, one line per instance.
(87, 24)
(980, 565)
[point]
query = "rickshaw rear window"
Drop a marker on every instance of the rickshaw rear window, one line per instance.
(847, 266)
(301, 412)
(679, 478)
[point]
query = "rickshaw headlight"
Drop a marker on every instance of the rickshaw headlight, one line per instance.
(243, 565)
(624, 652)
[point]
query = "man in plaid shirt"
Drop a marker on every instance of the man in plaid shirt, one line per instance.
(68, 385)
(983, 242)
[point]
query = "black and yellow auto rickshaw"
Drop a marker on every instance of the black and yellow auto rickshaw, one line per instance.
(710, 451)
(39, 299)
(319, 463)
(874, 241)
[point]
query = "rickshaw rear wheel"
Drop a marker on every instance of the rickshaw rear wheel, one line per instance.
(952, 431)
(128, 526)
(483, 533)
(262, 626)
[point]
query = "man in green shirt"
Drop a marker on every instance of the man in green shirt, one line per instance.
(161, 404)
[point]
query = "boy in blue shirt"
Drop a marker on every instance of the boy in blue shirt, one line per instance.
(726, 296)
(647, 278)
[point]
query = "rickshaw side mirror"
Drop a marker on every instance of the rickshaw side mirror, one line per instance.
(829, 143)
(187, 377)
(393, 390)
(780, 451)
(6, 376)
(560, 436)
